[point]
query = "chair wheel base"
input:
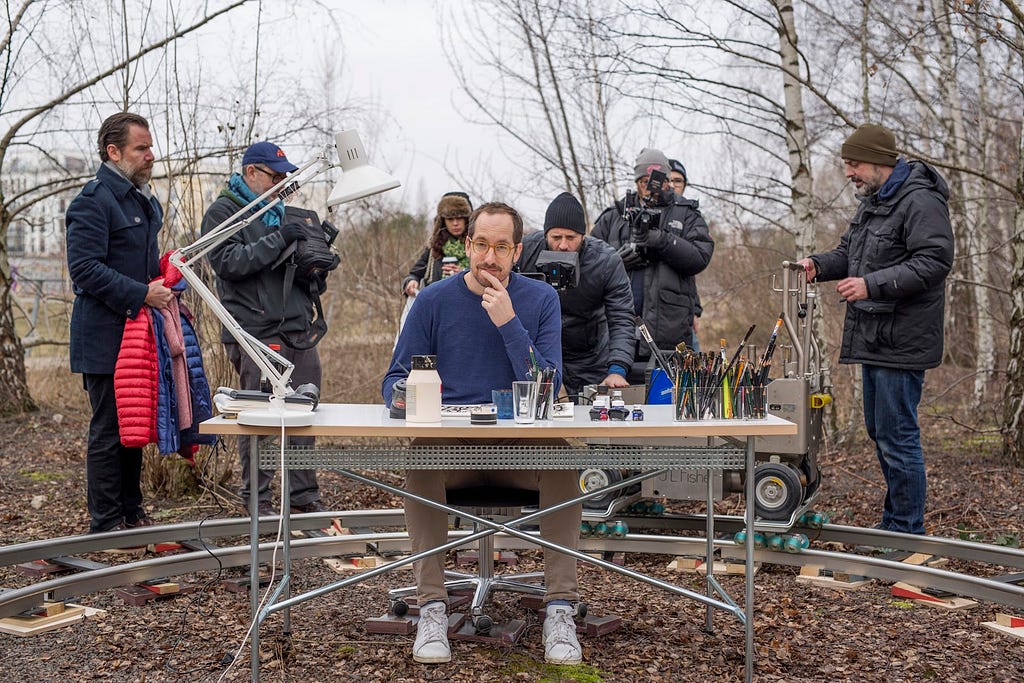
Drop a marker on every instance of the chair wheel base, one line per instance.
(504, 634)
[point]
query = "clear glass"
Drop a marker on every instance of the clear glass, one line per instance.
(524, 401)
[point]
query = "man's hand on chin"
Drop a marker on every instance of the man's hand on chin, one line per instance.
(496, 301)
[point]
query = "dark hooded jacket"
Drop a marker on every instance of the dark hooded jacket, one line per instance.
(901, 242)
(597, 314)
(664, 291)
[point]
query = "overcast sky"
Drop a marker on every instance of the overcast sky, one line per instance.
(395, 57)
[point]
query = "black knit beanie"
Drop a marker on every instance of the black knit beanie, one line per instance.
(872, 144)
(565, 211)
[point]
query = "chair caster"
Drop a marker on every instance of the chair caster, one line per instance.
(399, 607)
(482, 624)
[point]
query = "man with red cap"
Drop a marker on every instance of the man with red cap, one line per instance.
(891, 264)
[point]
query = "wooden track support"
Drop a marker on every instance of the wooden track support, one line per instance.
(1007, 624)
(698, 565)
(819, 576)
(918, 595)
(141, 593)
(52, 615)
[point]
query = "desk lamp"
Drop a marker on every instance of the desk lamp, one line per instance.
(358, 180)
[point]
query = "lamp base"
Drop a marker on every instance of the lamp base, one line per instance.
(269, 417)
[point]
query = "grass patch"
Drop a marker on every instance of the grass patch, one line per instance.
(554, 673)
(41, 477)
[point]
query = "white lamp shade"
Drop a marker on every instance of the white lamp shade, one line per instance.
(358, 179)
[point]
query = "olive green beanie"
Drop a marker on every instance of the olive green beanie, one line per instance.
(871, 143)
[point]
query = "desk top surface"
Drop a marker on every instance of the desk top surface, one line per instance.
(372, 420)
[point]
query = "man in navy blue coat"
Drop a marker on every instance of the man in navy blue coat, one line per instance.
(113, 260)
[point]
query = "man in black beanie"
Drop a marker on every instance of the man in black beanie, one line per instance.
(891, 265)
(662, 262)
(597, 305)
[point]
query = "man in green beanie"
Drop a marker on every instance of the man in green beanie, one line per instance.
(891, 264)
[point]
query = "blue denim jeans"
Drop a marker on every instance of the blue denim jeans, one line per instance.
(891, 396)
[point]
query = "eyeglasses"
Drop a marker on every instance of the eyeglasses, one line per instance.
(276, 177)
(501, 250)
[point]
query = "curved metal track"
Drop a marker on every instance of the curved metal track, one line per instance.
(211, 557)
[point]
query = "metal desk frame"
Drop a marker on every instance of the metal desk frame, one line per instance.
(609, 444)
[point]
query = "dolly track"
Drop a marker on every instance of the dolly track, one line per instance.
(212, 558)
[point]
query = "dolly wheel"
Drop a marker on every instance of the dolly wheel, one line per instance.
(777, 491)
(399, 607)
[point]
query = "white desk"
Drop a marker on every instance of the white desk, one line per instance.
(369, 421)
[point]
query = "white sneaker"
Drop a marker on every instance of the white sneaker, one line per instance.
(560, 643)
(431, 646)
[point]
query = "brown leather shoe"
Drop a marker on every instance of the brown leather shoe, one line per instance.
(311, 506)
(144, 520)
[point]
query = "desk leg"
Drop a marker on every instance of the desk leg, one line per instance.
(709, 553)
(286, 538)
(254, 556)
(749, 506)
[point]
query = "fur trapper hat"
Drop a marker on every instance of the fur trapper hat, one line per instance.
(454, 205)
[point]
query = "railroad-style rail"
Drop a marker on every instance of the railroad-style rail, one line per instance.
(206, 555)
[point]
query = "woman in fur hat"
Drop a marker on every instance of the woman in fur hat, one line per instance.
(448, 239)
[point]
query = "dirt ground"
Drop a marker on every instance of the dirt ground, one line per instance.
(802, 633)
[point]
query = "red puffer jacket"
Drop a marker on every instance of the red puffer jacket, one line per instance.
(135, 382)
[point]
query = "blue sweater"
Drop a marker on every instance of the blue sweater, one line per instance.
(474, 356)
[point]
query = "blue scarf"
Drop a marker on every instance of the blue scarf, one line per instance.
(900, 172)
(273, 217)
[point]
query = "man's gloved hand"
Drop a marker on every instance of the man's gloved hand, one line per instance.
(630, 258)
(318, 282)
(292, 232)
(656, 239)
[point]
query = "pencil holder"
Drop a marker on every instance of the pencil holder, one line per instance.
(545, 401)
(690, 402)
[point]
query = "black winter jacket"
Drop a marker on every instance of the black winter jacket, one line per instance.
(597, 314)
(252, 291)
(669, 291)
(903, 248)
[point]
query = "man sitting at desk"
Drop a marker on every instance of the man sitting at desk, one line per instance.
(483, 327)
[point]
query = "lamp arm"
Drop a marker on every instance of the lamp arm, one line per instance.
(232, 224)
(262, 355)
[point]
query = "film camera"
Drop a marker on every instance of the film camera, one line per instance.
(561, 269)
(643, 214)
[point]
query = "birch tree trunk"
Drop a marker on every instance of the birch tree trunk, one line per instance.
(980, 241)
(1013, 391)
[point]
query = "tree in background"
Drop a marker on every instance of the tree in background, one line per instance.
(55, 81)
(760, 116)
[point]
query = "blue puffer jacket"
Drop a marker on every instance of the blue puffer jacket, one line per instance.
(202, 405)
(166, 402)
